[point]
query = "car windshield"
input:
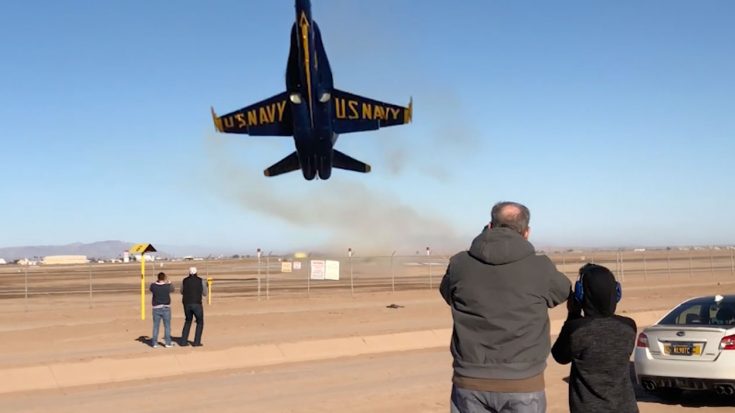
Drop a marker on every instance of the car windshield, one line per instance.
(703, 312)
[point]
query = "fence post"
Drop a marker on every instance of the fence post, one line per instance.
(711, 265)
(259, 252)
(428, 254)
(268, 276)
(25, 269)
(352, 281)
(668, 264)
(392, 274)
(690, 265)
(622, 265)
(89, 267)
(732, 261)
(563, 264)
(645, 267)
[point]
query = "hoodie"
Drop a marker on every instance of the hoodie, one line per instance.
(499, 292)
(598, 345)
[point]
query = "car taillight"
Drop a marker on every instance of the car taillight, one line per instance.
(728, 343)
(642, 340)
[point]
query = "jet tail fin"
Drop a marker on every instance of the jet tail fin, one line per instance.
(342, 161)
(287, 164)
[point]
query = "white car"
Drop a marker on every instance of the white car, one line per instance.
(690, 348)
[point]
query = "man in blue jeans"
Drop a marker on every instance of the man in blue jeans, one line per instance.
(499, 292)
(193, 289)
(161, 304)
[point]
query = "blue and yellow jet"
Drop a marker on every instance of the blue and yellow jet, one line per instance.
(311, 109)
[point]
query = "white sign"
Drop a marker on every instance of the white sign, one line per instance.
(296, 265)
(286, 266)
(317, 269)
(332, 272)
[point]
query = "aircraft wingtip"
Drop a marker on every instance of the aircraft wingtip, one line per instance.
(217, 121)
(409, 111)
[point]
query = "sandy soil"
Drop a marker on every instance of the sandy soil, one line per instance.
(65, 333)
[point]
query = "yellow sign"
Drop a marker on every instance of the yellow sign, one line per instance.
(286, 266)
(142, 248)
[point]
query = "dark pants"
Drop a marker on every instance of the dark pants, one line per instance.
(191, 311)
(470, 401)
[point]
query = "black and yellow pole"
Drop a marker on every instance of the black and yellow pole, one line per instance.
(142, 249)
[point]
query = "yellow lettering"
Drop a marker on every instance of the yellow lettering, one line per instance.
(352, 104)
(252, 117)
(281, 107)
(367, 111)
(271, 112)
(241, 122)
(378, 112)
(339, 108)
(229, 122)
(394, 112)
(263, 118)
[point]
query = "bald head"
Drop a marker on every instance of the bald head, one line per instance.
(511, 215)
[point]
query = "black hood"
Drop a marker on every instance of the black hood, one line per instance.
(499, 246)
(600, 294)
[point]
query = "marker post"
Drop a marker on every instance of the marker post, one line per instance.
(142, 249)
(209, 290)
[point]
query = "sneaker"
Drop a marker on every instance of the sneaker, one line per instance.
(169, 345)
(155, 346)
(197, 345)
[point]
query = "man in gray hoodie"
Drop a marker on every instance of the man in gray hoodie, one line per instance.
(499, 293)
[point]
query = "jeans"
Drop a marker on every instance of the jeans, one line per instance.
(191, 311)
(471, 401)
(163, 313)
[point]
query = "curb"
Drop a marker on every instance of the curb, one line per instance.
(106, 370)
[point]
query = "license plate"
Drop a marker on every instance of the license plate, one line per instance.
(683, 349)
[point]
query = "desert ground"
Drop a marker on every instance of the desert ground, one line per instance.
(73, 339)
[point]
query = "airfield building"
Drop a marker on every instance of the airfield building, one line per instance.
(64, 259)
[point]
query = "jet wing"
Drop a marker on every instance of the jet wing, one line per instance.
(270, 117)
(353, 113)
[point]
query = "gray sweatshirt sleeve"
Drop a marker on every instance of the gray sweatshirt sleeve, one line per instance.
(444, 288)
(559, 286)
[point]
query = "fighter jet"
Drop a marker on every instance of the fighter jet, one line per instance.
(311, 110)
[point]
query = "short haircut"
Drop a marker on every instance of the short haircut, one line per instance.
(161, 276)
(517, 221)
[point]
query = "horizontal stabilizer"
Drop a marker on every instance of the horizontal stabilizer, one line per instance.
(287, 164)
(342, 161)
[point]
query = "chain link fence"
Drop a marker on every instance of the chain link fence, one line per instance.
(24, 288)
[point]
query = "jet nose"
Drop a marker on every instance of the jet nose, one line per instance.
(303, 5)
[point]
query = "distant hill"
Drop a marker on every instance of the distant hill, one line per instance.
(102, 249)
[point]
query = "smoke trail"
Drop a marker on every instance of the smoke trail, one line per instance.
(348, 211)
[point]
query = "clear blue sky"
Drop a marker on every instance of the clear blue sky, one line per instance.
(613, 121)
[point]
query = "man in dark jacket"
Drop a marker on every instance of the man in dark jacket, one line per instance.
(598, 345)
(161, 307)
(499, 293)
(193, 289)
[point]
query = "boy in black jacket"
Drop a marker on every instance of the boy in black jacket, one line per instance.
(598, 344)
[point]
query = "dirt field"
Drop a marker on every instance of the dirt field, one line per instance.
(329, 350)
